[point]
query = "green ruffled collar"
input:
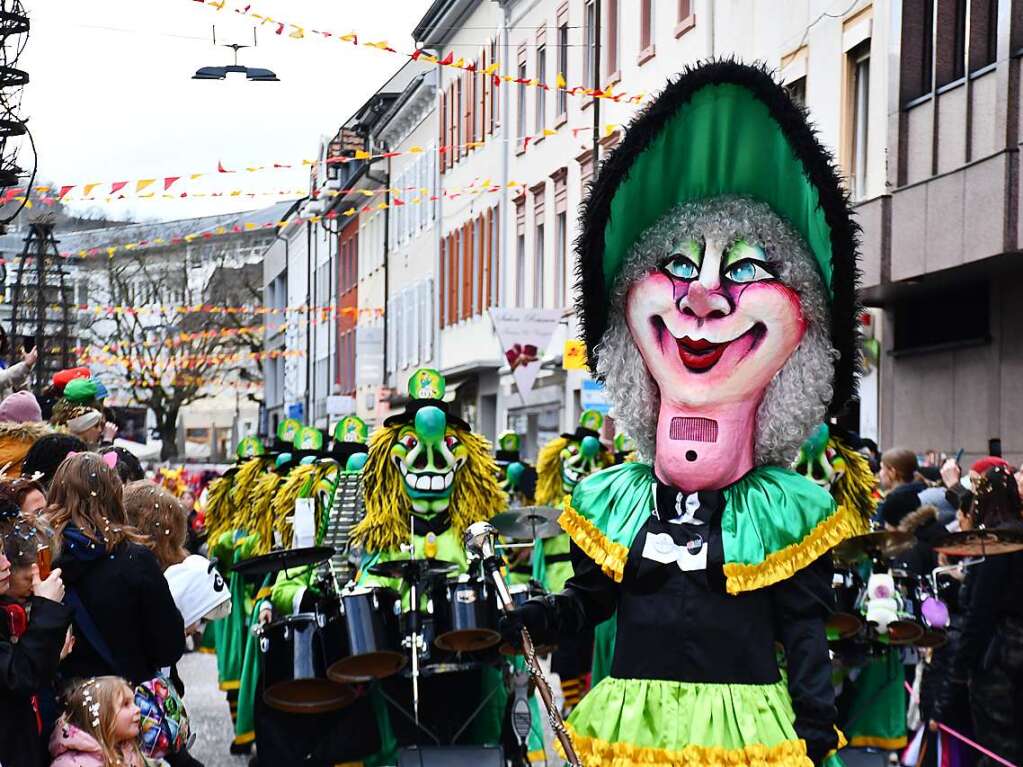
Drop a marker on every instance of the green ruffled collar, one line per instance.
(774, 522)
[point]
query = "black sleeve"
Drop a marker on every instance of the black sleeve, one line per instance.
(802, 605)
(988, 579)
(595, 593)
(31, 664)
(589, 598)
(162, 625)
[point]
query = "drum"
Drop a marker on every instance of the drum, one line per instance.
(845, 621)
(465, 615)
(908, 628)
(370, 619)
(295, 653)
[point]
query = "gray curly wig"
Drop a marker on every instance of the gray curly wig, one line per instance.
(796, 400)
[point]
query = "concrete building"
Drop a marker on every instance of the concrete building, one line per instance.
(942, 242)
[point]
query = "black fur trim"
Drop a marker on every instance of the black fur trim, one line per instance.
(592, 305)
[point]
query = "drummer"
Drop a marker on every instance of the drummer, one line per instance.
(297, 592)
(517, 478)
(285, 738)
(562, 463)
(428, 477)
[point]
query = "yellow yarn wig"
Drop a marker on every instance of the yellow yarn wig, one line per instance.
(476, 495)
(548, 473)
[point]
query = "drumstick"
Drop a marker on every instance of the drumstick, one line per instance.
(479, 540)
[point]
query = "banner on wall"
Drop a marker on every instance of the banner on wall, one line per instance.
(524, 335)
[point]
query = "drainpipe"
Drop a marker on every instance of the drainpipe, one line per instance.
(287, 258)
(386, 183)
(309, 383)
(438, 221)
(506, 239)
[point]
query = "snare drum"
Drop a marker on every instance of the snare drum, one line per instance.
(295, 654)
(908, 629)
(370, 617)
(845, 621)
(465, 615)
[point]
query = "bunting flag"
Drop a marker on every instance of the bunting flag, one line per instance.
(113, 249)
(297, 32)
(167, 309)
(188, 362)
(106, 191)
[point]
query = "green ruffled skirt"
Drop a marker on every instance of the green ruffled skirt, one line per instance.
(657, 723)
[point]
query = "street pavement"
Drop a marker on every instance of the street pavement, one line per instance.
(207, 711)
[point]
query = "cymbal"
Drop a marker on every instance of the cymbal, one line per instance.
(528, 522)
(284, 559)
(971, 543)
(413, 569)
(883, 544)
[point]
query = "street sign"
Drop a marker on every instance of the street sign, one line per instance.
(593, 396)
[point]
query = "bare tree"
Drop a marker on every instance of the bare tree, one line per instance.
(169, 337)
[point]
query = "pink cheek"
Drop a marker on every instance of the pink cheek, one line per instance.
(770, 301)
(654, 293)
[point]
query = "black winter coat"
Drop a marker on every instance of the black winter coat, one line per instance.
(25, 668)
(126, 595)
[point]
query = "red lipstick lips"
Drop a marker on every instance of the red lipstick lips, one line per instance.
(699, 355)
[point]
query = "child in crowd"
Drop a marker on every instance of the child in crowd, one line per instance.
(155, 512)
(100, 726)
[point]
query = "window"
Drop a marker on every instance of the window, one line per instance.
(521, 115)
(983, 33)
(646, 24)
(538, 268)
(541, 92)
(520, 270)
(952, 38)
(560, 248)
(613, 48)
(562, 42)
(520, 251)
(797, 91)
(917, 48)
(684, 10)
(589, 30)
(859, 97)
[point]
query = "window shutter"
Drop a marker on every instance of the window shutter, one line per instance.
(414, 324)
(426, 307)
(442, 118)
(392, 332)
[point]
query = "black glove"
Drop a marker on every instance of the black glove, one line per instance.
(308, 602)
(534, 616)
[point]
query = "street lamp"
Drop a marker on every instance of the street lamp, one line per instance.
(254, 74)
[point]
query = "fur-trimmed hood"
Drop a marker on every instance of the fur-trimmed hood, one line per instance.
(27, 432)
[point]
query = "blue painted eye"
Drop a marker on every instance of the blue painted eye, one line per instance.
(682, 267)
(746, 271)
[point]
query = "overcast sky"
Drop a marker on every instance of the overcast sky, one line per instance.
(111, 99)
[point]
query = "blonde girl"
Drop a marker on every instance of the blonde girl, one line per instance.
(100, 726)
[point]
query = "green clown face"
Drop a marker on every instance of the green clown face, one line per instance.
(578, 460)
(429, 454)
(509, 476)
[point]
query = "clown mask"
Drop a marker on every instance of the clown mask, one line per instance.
(579, 459)
(429, 454)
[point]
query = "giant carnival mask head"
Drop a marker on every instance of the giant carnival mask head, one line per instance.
(717, 278)
(564, 461)
(426, 461)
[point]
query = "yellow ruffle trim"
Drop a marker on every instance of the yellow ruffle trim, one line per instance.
(601, 753)
(610, 556)
(784, 563)
(888, 744)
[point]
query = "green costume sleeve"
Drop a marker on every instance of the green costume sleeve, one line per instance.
(286, 590)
